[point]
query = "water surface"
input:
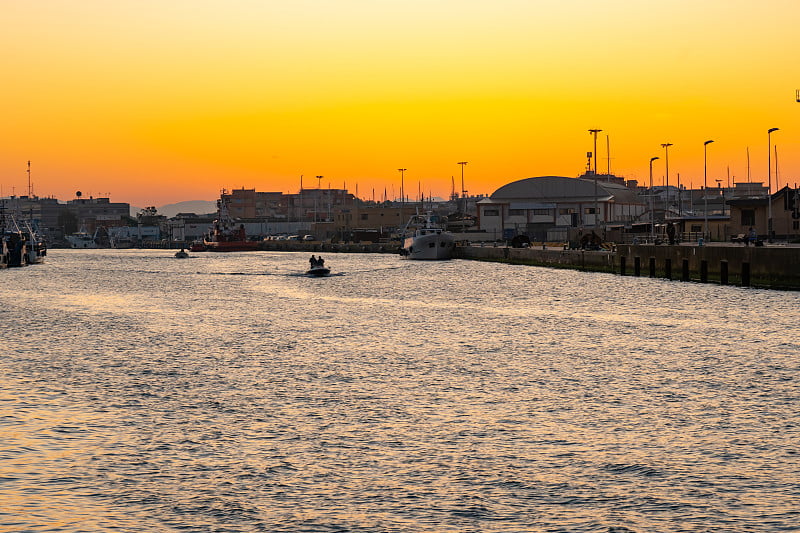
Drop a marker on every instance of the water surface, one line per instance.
(228, 392)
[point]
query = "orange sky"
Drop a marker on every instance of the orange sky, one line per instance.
(155, 102)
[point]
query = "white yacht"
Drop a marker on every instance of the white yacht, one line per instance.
(425, 238)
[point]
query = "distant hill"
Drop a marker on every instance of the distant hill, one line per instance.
(198, 207)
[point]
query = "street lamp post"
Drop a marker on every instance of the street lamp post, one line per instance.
(402, 190)
(652, 204)
(705, 189)
(666, 175)
(594, 132)
(316, 196)
(769, 183)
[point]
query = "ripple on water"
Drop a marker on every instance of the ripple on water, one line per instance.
(400, 396)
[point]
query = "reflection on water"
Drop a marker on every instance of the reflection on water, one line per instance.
(228, 393)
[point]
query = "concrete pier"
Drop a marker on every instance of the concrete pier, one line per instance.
(773, 267)
(776, 267)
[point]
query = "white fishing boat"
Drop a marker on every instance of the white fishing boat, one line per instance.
(81, 239)
(426, 238)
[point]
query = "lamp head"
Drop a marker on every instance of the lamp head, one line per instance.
(771, 130)
(654, 158)
(707, 142)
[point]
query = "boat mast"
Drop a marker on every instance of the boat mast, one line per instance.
(463, 192)
(30, 189)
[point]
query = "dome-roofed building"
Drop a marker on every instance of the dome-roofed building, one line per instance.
(536, 206)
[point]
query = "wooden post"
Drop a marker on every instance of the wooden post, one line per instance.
(745, 274)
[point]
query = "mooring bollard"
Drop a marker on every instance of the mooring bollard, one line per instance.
(745, 274)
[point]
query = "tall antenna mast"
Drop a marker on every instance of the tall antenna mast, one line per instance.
(30, 189)
(608, 155)
(748, 164)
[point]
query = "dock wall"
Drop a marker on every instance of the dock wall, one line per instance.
(766, 267)
(775, 267)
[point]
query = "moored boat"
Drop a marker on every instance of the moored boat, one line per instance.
(21, 243)
(225, 236)
(81, 239)
(425, 238)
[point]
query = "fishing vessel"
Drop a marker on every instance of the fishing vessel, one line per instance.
(426, 238)
(21, 243)
(225, 236)
(81, 239)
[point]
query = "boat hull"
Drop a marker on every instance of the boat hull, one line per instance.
(318, 271)
(231, 246)
(433, 246)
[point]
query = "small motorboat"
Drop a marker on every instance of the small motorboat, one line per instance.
(318, 271)
(181, 254)
(318, 268)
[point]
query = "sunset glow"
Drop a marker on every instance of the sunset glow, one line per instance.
(156, 102)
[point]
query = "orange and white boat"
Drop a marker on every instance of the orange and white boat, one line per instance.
(225, 235)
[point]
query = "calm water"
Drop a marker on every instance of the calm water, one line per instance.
(225, 392)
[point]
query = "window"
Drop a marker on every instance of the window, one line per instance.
(748, 217)
(566, 211)
(588, 210)
(491, 212)
(544, 212)
(516, 212)
(697, 228)
(364, 216)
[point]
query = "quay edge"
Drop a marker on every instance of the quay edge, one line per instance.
(768, 267)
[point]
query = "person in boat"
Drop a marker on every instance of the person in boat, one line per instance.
(320, 261)
(313, 261)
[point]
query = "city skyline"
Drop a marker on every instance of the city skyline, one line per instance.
(162, 103)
